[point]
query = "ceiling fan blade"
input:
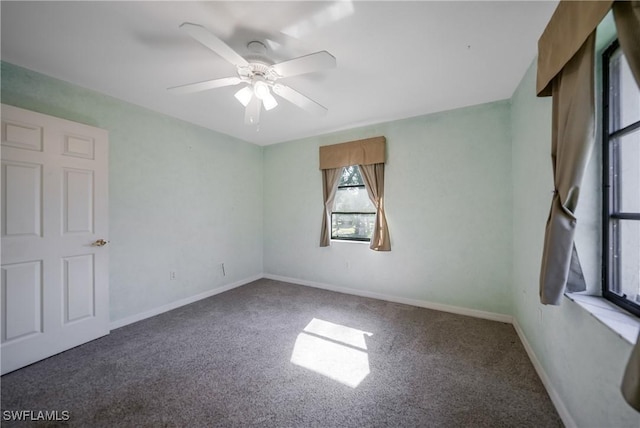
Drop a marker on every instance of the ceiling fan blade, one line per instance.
(252, 112)
(305, 64)
(300, 100)
(204, 86)
(211, 41)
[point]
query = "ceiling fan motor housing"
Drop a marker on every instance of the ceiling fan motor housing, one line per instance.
(260, 69)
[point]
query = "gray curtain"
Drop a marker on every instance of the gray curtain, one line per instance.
(330, 180)
(627, 16)
(373, 177)
(573, 126)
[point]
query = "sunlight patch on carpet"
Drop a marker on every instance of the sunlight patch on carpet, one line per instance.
(333, 350)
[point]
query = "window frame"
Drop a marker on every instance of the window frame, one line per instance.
(610, 271)
(347, 186)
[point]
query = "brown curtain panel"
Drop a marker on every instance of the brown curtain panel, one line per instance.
(330, 180)
(572, 139)
(360, 152)
(373, 177)
(570, 26)
(627, 17)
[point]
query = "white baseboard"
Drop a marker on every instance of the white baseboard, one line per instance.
(413, 302)
(173, 305)
(566, 417)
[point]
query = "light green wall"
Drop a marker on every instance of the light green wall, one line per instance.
(448, 203)
(583, 359)
(181, 197)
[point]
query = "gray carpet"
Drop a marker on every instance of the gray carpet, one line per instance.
(226, 361)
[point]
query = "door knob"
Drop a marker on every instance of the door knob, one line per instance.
(100, 243)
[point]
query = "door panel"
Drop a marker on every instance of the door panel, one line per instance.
(22, 135)
(22, 286)
(79, 287)
(21, 199)
(77, 201)
(55, 291)
(79, 147)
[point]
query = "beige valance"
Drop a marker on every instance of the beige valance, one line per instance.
(361, 152)
(566, 32)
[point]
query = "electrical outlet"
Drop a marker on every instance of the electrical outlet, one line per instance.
(173, 275)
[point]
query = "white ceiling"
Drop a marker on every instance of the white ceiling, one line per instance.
(395, 59)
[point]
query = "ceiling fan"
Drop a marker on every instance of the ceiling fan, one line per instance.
(258, 74)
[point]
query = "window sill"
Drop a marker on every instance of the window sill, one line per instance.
(617, 319)
(346, 241)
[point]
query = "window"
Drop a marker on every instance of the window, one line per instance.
(621, 182)
(353, 215)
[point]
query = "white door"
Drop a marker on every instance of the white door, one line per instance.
(55, 289)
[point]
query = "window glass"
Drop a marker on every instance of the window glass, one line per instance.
(621, 182)
(628, 258)
(353, 199)
(353, 227)
(627, 175)
(353, 215)
(351, 176)
(625, 94)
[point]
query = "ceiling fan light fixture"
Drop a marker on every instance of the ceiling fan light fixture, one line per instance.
(244, 95)
(260, 88)
(269, 102)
